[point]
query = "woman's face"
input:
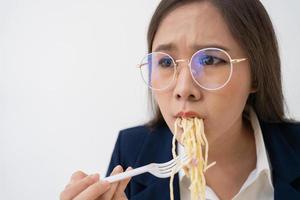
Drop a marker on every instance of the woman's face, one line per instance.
(200, 24)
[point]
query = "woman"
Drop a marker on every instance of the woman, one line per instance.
(224, 58)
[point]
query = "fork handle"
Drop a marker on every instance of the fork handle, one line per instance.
(124, 175)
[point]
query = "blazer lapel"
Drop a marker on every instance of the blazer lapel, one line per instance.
(156, 148)
(284, 190)
(284, 161)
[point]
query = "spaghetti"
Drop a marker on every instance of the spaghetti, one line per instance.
(196, 147)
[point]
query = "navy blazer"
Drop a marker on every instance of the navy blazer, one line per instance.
(139, 146)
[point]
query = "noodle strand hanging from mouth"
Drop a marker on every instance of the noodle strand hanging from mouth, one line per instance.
(196, 148)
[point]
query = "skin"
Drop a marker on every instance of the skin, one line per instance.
(230, 137)
(90, 187)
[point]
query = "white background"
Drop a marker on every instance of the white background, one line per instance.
(69, 83)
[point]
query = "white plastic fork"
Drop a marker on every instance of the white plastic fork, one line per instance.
(160, 170)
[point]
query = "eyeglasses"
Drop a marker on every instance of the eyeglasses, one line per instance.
(211, 69)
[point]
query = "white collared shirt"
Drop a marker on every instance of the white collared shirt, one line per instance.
(258, 185)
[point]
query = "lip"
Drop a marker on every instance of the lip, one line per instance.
(187, 114)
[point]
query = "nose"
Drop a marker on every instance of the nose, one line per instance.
(185, 87)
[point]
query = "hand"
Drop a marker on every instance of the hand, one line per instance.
(90, 187)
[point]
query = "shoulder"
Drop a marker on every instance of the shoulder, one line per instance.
(286, 132)
(134, 133)
(286, 129)
(130, 142)
(138, 133)
(129, 138)
(127, 147)
(282, 140)
(291, 132)
(292, 127)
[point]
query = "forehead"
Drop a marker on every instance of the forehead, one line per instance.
(193, 25)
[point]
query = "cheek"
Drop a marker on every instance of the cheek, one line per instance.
(164, 99)
(161, 99)
(226, 105)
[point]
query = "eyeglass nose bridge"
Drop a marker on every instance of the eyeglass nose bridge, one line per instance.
(181, 61)
(177, 62)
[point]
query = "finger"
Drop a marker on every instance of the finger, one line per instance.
(94, 191)
(72, 190)
(110, 193)
(78, 175)
(119, 194)
(123, 197)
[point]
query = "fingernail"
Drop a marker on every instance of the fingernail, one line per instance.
(195, 161)
(118, 168)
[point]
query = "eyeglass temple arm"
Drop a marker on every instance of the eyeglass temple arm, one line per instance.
(238, 60)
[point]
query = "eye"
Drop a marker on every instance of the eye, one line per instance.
(210, 60)
(165, 62)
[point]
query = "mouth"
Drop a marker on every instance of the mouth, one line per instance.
(188, 114)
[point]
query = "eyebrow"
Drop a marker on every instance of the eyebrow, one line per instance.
(212, 45)
(195, 47)
(165, 47)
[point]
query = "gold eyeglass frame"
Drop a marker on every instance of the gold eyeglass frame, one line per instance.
(232, 61)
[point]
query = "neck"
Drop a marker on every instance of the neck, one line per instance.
(234, 145)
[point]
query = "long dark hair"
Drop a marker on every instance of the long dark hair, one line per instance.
(250, 24)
